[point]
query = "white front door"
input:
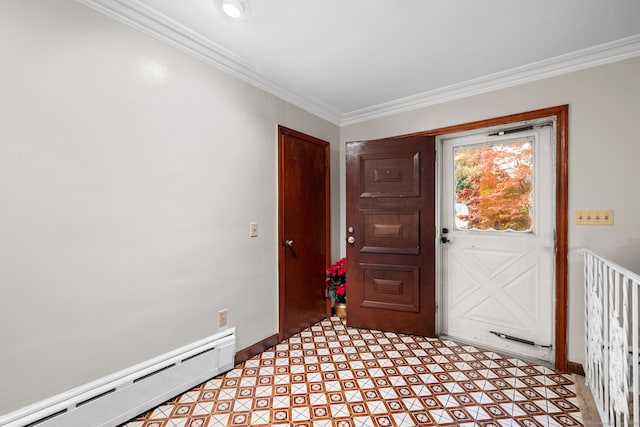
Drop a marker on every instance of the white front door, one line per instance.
(497, 222)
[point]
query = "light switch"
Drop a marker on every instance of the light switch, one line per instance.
(253, 229)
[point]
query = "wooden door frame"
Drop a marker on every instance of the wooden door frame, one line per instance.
(561, 114)
(282, 132)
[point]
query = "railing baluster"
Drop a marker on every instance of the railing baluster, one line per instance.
(622, 281)
(600, 298)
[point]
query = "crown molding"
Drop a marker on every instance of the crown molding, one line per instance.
(579, 60)
(143, 18)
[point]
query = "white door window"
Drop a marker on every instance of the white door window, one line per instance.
(497, 219)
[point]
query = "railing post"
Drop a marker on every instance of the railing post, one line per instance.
(605, 338)
(634, 352)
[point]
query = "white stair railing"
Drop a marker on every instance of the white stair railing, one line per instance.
(611, 327)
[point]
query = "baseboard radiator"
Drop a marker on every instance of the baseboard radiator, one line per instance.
(117, 398)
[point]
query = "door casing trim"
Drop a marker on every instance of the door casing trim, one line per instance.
(561, 115)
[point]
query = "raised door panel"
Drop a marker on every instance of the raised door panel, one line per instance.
(391, 287)
(391, 231)
(390, 175)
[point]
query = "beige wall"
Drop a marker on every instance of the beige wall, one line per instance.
(129, 173)
(604, 152)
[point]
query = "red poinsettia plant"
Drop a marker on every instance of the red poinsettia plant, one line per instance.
(337, 281)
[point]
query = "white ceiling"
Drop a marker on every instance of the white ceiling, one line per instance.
(350, 60)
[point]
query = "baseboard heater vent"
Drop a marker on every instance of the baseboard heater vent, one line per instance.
(117, 398)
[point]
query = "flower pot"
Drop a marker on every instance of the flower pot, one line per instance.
(341, 310)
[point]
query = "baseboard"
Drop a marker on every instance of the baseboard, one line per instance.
(257, 348)
(575, 368)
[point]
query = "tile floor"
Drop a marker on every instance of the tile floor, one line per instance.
(333, 376)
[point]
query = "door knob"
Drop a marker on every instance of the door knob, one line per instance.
(444, 239)
(351, 240)
(289, 243)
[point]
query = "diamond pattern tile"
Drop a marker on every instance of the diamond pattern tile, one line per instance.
(330, 375)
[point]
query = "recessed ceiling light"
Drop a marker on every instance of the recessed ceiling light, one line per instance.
(235, 9)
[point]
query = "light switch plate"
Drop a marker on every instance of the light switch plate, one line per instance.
(253, 229)
(593, 217)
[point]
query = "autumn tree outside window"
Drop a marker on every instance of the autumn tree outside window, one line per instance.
(494, 186)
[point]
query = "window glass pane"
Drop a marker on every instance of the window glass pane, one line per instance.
(494, 186)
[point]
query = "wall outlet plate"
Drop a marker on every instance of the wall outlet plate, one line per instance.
(222, 318)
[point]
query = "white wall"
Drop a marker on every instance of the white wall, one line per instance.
(604, 155)
(129, 173)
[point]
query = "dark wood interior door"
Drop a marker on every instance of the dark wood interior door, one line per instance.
(391, 234)
(304, 227)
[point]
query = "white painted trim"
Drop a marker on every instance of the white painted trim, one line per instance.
(143, 18)
(579, 60)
